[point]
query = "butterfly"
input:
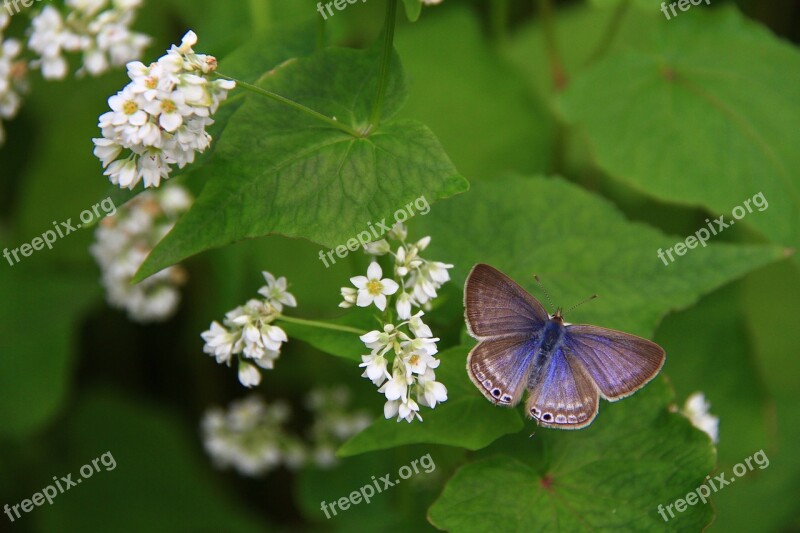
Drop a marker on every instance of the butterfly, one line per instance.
(565, 367)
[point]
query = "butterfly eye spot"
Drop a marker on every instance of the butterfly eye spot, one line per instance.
(496, 392)
(506, 398)
(547, 417)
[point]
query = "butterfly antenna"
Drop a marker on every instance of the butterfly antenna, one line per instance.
(589, 299)
(547, 294)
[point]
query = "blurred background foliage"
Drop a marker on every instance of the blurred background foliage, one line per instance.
(78, 379)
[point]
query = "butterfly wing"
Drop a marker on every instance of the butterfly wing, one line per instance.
(496, 306)
(500, 368)
(507, 320)
(619, 363)
(561, 393)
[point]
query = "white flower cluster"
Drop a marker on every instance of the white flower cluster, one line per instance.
(410, 344)
(419, 278)
(250, 437)
(124, 240)
(696, 409)
(12, 76)
(333, 424)
(159, 119)
(98, 29)
(249, 334)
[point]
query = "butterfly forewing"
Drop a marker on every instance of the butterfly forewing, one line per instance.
(619, 363)
(563, 395)
(497, 306)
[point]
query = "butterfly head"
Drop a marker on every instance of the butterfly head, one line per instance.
(558, 317)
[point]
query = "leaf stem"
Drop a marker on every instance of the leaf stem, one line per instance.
(319, 324)
(557, 70)
(610, 32)
(294, 105)
(386, 61)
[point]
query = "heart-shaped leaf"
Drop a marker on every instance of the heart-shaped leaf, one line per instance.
(278, 170)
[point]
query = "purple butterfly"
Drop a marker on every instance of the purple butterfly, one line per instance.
(565, 367)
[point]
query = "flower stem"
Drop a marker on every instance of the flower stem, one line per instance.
(294, 105)
(319, 324)
(386, 61)
(557, 70)
(610, 31)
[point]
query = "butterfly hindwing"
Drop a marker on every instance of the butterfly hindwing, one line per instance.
(562, 395)
(500, 368)
(497, 306)
(619, 363)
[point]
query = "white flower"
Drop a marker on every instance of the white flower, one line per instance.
(429, 391)
(375, 368)
(101, 32)
(396, 388)
(12, 76)
(249, 376)
(696, 409)
(371, 288)
(403, 304)
(122, 242)
(219, 342)
(380, 340)
(380, 247)
(160, 118)
(418, 327)
(275, 292)
(349, 295)
(406, 409)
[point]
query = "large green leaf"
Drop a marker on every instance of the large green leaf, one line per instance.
(277, 170)
(579, 244)
(450, 80)
(39, 319)
(160, 473)
(612, 475)
(466, 419)
(709, 99)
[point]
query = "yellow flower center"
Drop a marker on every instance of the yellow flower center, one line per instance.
(414, 359)
(374, 287)
(130, 107)
(168, 106)
(151, 82)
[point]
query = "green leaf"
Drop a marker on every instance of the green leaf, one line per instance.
(715, 360)
(277, 170)
(340, 343)
(39, 313)
(710, 98)
(510, 130)
(466, 419)
(611, 475)
(413, 9)
(157, 459)
(579, 244)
